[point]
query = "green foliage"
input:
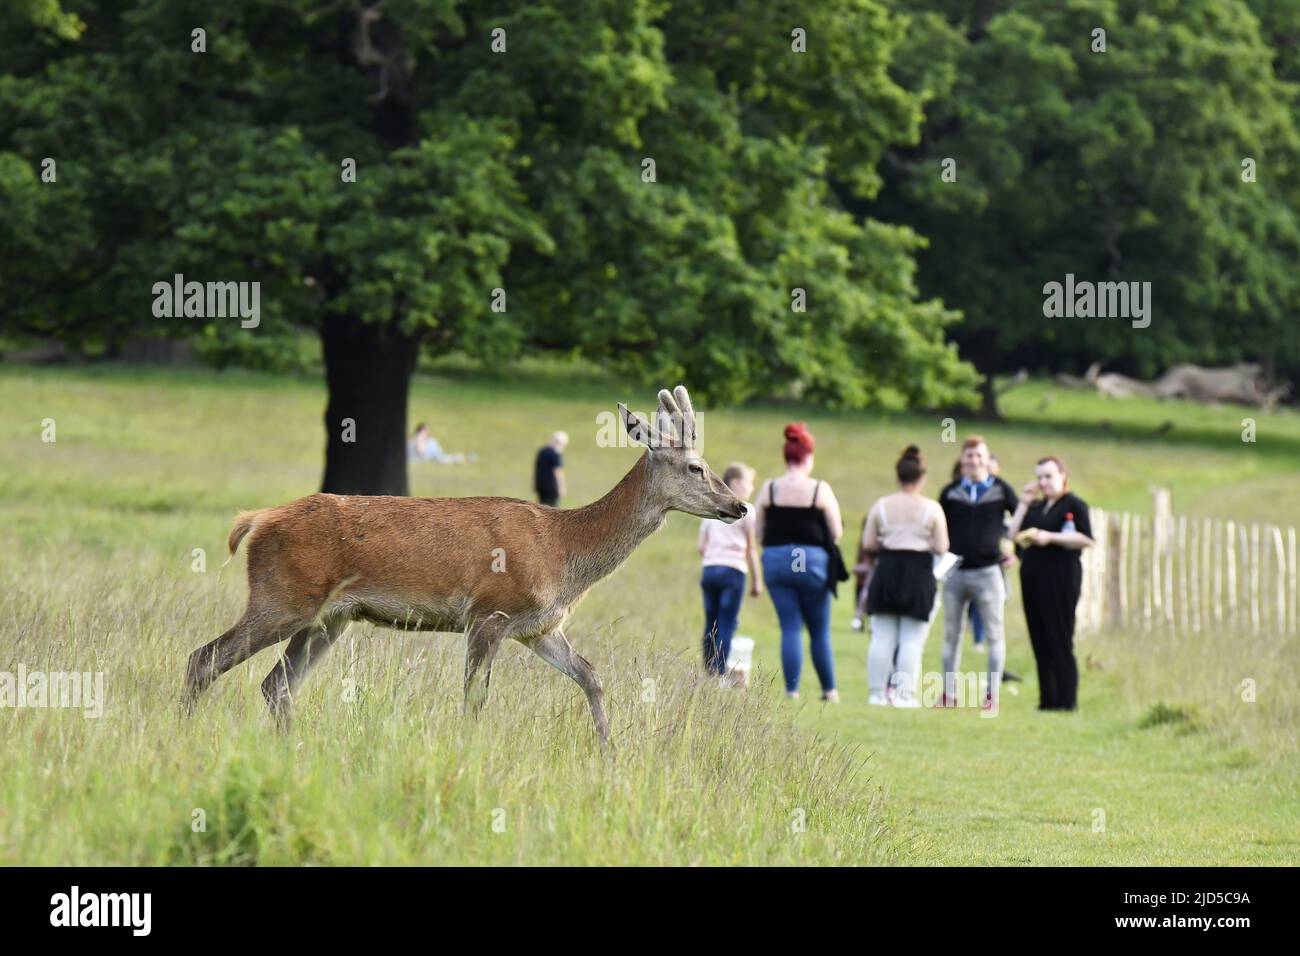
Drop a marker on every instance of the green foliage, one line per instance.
(46, 17)
(1123, 165)
(478, 170)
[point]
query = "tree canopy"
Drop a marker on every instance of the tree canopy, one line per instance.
(750, 198)
(519, 168)
(1171, 157)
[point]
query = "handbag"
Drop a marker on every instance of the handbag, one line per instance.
(836, 570)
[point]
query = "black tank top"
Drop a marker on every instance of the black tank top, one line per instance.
(785, 524)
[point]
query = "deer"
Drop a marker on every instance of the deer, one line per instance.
(491, 568)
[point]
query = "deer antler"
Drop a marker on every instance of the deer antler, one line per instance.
(688, 415)
(676, 417)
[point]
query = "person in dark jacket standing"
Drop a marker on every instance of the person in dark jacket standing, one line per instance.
(974, 506)
(548, 470)
(1051, 527)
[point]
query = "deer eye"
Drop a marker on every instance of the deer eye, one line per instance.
(696, 469)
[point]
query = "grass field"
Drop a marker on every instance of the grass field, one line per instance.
(1162, 764)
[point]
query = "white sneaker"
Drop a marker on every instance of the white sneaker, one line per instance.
(856, 624)
(877, 700)
(907, 703)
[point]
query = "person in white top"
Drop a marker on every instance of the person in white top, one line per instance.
(904, 532)
(728, 550)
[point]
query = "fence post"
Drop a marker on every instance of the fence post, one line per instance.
(1170, 550)
(1141, 572)
(1194, 556)
(1218, 572)
(1126, 540)
(1291, 561)
(1205, 531)
(1114, 566)
(1183, 616)
(1254, 576)
(1162, 513)
(1230, 551)
(1279, 557)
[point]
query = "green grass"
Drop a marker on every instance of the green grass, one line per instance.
(97, 533)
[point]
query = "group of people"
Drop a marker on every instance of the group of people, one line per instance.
(915, 553)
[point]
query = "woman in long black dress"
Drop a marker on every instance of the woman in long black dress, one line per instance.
(1051, 528)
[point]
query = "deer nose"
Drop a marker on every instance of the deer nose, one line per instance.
(743, 510)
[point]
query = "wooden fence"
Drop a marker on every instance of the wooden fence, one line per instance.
(1190, 574)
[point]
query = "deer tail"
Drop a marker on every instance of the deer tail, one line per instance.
(244, 522)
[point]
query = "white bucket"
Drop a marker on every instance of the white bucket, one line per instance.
(741, 659)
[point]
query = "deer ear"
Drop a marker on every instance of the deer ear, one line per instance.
(636, 428)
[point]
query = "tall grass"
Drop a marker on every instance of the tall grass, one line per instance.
(1236, 683)
(96, 539)
(380, 767)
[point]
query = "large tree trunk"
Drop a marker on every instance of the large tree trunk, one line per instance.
(368, 370)
(989, 400)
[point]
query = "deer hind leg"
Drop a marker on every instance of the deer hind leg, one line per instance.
(481, 645)
(306, 649)
(253, 633)
(555, 649)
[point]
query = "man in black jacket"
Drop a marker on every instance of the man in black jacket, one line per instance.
(975, 505)
(548, 470)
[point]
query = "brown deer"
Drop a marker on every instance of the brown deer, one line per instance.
(491, 568)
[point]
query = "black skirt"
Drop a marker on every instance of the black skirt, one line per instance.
(903, 584)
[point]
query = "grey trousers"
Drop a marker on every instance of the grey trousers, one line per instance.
(987, 589)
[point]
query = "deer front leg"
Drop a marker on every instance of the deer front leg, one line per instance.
(555, 649)
(482, 642)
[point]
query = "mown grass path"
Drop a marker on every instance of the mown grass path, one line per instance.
(1028, 788)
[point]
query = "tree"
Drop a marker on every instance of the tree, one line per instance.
(1123, 165)
(644, 183)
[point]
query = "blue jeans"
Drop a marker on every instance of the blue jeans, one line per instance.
(723, 588)
(796, 577)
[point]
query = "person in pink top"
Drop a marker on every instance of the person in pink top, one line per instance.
(728, 551)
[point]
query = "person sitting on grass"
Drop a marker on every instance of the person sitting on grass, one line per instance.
(424, 447)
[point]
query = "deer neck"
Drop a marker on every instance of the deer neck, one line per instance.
(606, 532)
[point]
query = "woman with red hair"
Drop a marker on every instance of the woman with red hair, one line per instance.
(799, 524)
(1051, 528)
